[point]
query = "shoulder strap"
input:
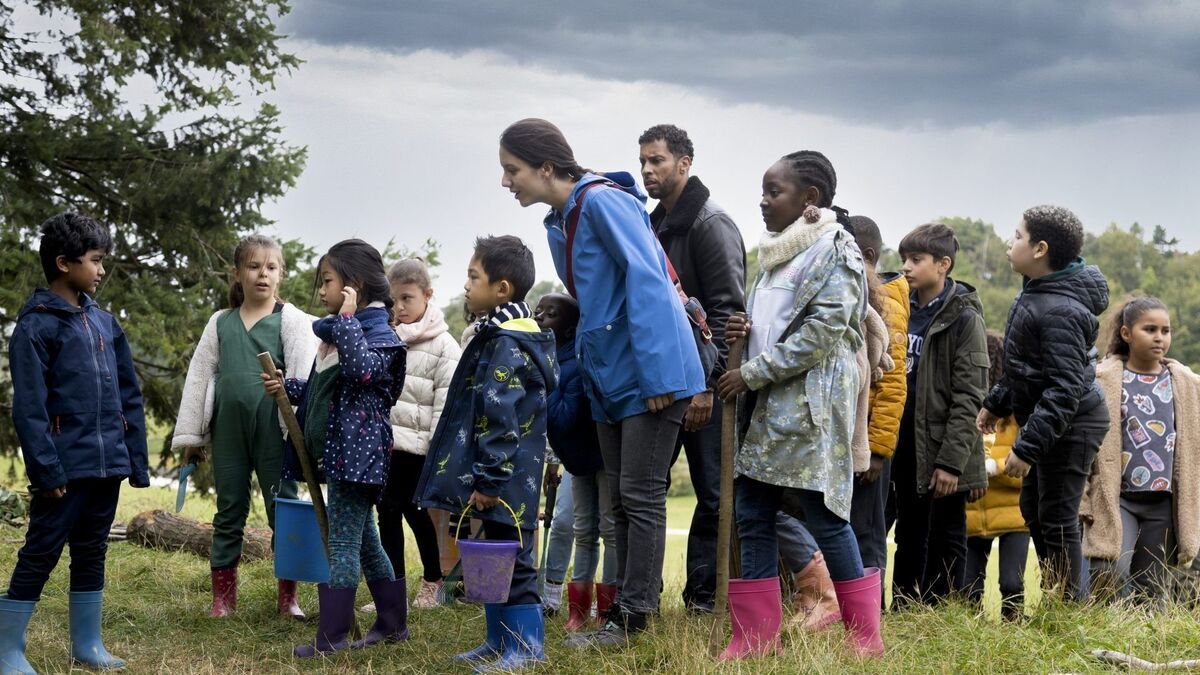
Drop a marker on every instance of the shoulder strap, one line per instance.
(572, 224)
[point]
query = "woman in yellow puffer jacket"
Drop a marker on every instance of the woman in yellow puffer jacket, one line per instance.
(998, 513)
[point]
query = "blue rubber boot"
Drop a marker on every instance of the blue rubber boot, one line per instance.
(493, 645)
(525, 633)
(14, 619)
(86, 647)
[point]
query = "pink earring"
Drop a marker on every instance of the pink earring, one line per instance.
(811, 214)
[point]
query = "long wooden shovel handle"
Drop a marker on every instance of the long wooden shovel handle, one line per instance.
(725, 513)
(297, 438)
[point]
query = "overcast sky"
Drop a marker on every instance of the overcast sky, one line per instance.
(926, 109)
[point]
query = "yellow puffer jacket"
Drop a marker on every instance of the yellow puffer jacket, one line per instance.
(888, 394)
(999, 511)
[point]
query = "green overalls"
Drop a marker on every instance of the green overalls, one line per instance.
(245, 431)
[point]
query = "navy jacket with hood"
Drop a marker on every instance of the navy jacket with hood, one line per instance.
(1050, 357)
(77, 406)
(492, 433)
(358, 438)
(569, 425)
(634, 341)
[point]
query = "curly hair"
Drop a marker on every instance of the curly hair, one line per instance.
(677, 139)
(70, 235)
(995, 347)
(1059, 228)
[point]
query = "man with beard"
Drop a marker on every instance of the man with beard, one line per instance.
(706, 249)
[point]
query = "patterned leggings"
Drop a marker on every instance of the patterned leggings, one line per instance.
(353, 539)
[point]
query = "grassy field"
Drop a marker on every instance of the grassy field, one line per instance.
(156, 604)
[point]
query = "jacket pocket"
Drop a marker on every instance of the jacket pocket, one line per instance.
(606, 354)
(787, 419)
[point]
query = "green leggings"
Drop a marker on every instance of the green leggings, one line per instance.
(353, 539)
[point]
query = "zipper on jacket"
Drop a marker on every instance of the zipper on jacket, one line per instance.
(99, 391)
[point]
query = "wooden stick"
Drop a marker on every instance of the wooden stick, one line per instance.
(297, 437)
(1133, 662)
(716, 637)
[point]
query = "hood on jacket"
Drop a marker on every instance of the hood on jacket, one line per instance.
(964, 296)
(45, 300)
(693, 198)
(538, 344)
(622, 179)
(1078, 280)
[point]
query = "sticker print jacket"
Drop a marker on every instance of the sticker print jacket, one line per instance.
(492, 433)
(358, 440)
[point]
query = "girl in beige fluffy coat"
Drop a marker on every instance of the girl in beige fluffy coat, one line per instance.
(1141, 511)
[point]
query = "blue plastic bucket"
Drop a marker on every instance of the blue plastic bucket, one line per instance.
(299, 553)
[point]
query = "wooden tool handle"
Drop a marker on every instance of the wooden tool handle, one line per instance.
(725, 511)
(297, 437)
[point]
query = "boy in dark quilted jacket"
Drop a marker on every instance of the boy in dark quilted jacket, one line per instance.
(1049, 385)
(490, 444)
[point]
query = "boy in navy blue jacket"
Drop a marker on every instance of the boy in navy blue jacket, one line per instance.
(490, 443)
(78, 413)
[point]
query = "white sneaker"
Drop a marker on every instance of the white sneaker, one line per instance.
(427, 595)
(368, 608)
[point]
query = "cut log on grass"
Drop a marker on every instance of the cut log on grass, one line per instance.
(1134, 663)
(167, 531)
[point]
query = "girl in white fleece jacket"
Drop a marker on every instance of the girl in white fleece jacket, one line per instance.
(224, 405)
(432, 357)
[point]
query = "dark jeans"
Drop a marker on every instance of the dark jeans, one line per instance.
(1050, 497)
(80, 518)
(397, 506)
(1014, 551)
(637, 457)
(868, 519)
(758, 504)
(703, 450)
(523, 590)
(931, 537)
(796, 545)
(1147, 547)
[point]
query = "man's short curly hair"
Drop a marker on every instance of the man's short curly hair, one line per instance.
(70, 235)
(677, 139)
(1059, 228)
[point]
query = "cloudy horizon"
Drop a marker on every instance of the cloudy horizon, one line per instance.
(401, 108)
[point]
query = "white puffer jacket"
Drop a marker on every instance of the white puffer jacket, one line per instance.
(192, 425)
(432, 357)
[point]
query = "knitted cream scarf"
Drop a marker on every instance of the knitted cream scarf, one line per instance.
(776, 248)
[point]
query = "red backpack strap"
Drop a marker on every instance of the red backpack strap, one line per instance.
(572, 225)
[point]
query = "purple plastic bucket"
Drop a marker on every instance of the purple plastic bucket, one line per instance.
(487, 569)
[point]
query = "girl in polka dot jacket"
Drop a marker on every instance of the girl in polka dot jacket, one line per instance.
(344, 404)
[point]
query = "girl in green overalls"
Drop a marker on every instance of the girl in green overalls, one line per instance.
(224, 405)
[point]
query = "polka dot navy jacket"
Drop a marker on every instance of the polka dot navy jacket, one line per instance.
(358, 439)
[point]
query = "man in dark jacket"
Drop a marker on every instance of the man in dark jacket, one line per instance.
(1050, 385)
(706, 249)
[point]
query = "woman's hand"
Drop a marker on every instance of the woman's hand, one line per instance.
(349, 300)
(659, 403)
(730, 385)
(273, 385)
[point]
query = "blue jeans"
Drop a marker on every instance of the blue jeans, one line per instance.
(796, 544)
(562, 533)
(593, 522)
(757, 504)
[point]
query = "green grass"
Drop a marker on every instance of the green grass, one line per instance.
(156, 604)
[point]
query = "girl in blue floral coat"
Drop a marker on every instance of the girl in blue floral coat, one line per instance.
(344, 405)
(807, 308)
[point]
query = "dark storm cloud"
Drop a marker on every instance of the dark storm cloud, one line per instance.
(939, 63)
